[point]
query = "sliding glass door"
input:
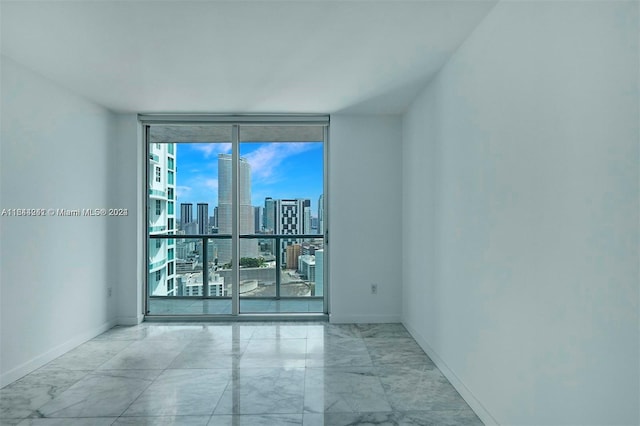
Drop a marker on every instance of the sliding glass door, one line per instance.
(236, 219)
(282, 169)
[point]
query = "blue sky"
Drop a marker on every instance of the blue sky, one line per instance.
(278, 170)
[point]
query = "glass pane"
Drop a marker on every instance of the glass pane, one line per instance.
(298, 283)
(281, 185)
(176, 280)
(157, 263)
(284, 183)
(258, 273)
(301, 273)
(183, 195)
(280, 219)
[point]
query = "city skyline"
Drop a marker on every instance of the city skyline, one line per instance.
(281, 170)
(174, 263)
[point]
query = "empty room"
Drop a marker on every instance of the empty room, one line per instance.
(320, 212)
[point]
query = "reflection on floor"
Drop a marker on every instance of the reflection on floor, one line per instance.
(239, 374)
(171, 306)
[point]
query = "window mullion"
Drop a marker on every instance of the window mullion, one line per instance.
(235, 222)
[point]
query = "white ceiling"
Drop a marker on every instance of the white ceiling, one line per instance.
(240, 57)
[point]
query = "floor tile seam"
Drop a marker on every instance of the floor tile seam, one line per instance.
(151, 382)
(70, 417)
(386, 337)
(190, 369)
(304, 385)
(160, 416)
(277, 339)
(40, 371)
(439, 410)
(263, 368)
(386, 394)
(115, 355)
(386, 346)
(257, 414)
(109, 339)
(353, 412)
(101, 370)
(393, 411)
(37, 409)
(226, 355)
(272, 354)
(161, 340)
(18, 418)
(224, 391)
(306, 362)
(208, 343)
(405, 364)
(273, 359)
(343, 366)
(174, 359)
(199, 368)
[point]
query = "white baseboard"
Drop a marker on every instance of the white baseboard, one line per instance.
(462, 389)
(53, 353)
(130, 320)
(364, 319)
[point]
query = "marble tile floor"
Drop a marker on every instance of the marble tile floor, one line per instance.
(277, 373)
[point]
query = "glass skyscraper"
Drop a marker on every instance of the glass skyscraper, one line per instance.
(248, 247)
(161, 219)
(203, 218)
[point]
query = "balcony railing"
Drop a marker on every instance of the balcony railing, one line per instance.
(156, 265)
(270, 266)
(154, 193)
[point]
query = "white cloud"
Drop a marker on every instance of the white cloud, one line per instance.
(266, 159)
(211, 184)
(201, 188)
(183, 191)
(209, 149)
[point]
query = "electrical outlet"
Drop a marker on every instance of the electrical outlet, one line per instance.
(374, 288)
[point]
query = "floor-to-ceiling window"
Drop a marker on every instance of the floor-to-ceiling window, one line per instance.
(236, 220)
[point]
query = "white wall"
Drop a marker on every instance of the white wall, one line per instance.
(364, 218)
(125, 240)
(55, 271)
(520, 212)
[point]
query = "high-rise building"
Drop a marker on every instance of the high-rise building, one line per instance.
(203, 218)
(290, 216)
(293, 252)
(321, 214)
(186, 213)
(248, 247)
(307, 267)
(319, 281)
(308, 248)
(290, 220)
(269, 215)
(190, 228)
(257, 218)
(193, 285)
(306, 214)
(161, 216)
